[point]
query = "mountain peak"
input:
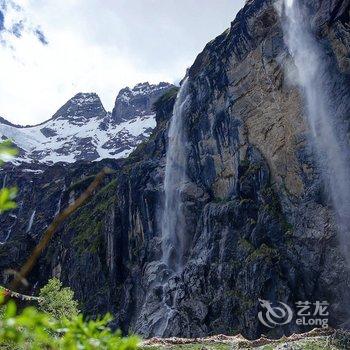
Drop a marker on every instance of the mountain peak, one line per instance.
(81, 107)
(83, 130)
(137, 101)
(85, 97)
(147, 88)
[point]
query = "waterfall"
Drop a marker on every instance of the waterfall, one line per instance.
(160, 305)
(173, 221)
(58, 207)
(4, 181)
(330, 144)
(31, 220)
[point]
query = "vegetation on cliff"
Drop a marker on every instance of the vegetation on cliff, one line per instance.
(56, 323)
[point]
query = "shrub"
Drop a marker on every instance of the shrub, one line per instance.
(7, 195)
(33, 329)
(58, 301)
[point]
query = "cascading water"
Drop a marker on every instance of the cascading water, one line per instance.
(330, 141)
(4, 181)
(31, 220)
(163, 274)
(58, 208)
(173, 221)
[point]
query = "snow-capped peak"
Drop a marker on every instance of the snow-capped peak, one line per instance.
(82, 129)
(81, 107)
(138, 100)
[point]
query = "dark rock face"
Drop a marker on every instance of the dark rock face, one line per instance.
(138, 101)
(258, 220)
(44, 191)
(80, 108)
(6, 122)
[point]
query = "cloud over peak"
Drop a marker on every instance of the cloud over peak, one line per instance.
(51, 50)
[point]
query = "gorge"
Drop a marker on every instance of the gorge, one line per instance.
(236, 195)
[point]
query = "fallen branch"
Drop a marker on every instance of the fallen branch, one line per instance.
(9, 293)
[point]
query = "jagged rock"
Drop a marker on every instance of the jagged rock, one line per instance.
(136, 102)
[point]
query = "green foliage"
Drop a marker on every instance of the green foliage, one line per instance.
(88, 222)
(33, 329)
(7, 151)
(58, 301)
(7, 195)
(263, 252)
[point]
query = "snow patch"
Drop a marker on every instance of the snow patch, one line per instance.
(71, 140)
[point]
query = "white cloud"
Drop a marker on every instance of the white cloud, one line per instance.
(100, 46)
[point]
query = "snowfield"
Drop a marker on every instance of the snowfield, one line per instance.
(64, 146)
(83, 130)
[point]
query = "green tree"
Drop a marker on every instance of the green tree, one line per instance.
(36, 330)
(58, 301)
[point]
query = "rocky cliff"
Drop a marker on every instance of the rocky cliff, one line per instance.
(259, 222)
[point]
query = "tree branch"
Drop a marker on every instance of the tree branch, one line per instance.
(57, 221)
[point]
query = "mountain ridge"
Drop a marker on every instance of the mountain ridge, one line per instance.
(82, 129)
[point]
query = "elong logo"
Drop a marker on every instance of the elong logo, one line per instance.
(278, 315)
(308, 314)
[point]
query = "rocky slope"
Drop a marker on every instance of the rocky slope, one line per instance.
(259, 223)
(83, 130)
(314, 340)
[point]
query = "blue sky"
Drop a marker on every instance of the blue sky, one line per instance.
(51, 50)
